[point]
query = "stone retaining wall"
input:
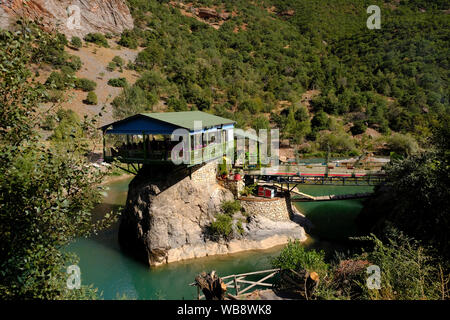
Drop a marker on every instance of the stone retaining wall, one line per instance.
(206, 174)
(274, 209)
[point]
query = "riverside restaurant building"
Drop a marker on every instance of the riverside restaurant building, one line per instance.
(155, 138)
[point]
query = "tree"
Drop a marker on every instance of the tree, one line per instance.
(176, 105)
(128, 39)
(97, 38)
(358, 128)
(85, 84)
(118, 82)
(320, 121)
(150, 57)
(301, 114)
(46, 194)
(338, 142)
(260, 122)
(68, 128)
(131, 101)
(402, 144)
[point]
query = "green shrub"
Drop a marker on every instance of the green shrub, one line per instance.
(295, 256)
(58, 80)
(222, 168)
(230, 207)
(341, 142)
(150, 57)
(91, 98)
(118, 82)
(118, 61)
(111, 66)
(74, 62)
(260, 122)
(177, 105)
(76, 42)
(249, 190)
(222, 228)
(252, 105)
(408, 270)
(239, 228)
(68, 71)
(320, 121)
(85, 84)
(97, 38)
(49, 123)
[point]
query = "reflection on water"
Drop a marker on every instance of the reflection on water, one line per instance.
(115, 274)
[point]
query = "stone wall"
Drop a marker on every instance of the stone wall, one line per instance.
(275, 209)
(206, 174)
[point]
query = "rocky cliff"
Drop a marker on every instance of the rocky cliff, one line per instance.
(71, 17)
(168, 209)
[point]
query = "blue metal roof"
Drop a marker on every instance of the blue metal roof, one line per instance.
(139, 125)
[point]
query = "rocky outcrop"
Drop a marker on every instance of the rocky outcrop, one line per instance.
(168, 210)
(71, 17)
(208, 13)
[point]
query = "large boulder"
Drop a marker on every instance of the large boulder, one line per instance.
(110, 16)
(169, 208)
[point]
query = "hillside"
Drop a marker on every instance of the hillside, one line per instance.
(310, 68)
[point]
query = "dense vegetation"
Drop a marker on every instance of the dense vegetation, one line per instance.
(393, 79)
(408, 270)
(409, 221)
(418, 193)
(47, 191)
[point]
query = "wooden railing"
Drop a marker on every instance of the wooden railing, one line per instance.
(234, 281)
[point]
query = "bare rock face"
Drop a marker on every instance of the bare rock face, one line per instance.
(168, 209)
(71, 17)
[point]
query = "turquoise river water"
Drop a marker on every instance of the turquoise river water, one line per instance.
(104, 265)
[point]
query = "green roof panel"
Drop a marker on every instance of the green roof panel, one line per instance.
(186, 119)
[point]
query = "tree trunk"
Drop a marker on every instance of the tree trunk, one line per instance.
(300, 282)
(211, 285)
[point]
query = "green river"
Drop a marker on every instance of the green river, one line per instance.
(116, 275)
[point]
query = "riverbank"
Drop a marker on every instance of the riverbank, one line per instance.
(262, 234)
